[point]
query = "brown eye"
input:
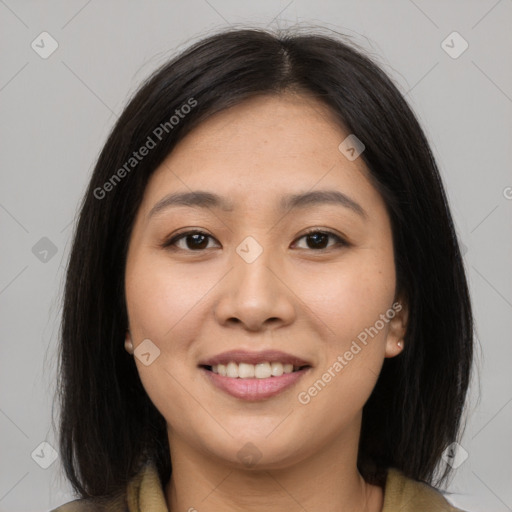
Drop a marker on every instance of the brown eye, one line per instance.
(319, 240)
(197, 241)
(190, 241)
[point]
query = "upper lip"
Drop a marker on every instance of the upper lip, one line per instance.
(244, 356)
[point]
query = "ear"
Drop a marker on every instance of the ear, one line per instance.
(128, 343)
(397, 328)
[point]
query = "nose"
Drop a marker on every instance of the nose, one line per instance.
(255, 296)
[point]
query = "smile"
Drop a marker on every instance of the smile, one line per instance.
(254, 375)
(249, 371)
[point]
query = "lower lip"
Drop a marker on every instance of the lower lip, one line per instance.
(254, 389)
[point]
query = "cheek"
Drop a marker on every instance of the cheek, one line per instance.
(166, 305)
(160, 304)
(349, 300)
(350, 296)
(160, 297)
(350, 306)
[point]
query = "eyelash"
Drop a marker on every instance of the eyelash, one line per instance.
(172, 241)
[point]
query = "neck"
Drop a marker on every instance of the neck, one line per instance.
(321, 482)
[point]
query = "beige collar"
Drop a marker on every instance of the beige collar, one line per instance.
(145, 494)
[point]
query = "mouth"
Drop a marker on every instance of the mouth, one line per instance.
(263, 370)
(254, 376)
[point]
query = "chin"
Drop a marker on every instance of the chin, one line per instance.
(257, 450)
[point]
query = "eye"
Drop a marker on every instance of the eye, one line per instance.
(193, 241)
(318, 240)
(198, 240)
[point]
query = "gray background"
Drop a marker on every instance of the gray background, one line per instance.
(57, 112)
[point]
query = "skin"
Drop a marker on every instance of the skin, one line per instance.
(194, 304)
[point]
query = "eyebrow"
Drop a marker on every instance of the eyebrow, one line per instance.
(202, 199)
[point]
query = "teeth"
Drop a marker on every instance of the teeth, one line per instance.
(251, 371)
(276, 369)
(262, 371)
(232, 370)
(245, 371)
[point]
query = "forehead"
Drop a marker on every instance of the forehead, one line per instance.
(286, 125)
(264, 147)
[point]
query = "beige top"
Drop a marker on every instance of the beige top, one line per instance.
(145, 494)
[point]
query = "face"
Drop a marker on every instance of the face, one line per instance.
(217, 288)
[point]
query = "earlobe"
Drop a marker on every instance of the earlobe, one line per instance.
(128, 344)
(394, 349)
(397, 330)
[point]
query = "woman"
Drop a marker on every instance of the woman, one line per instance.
(266, 306)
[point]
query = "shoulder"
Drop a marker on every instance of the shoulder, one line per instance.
(404, 493)
(83, 505)
(76, 506)
(145, 481)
